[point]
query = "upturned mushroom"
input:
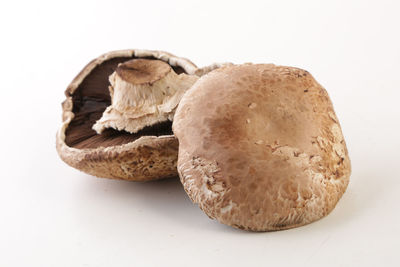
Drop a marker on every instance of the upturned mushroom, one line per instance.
(134, 139)
(260, 147)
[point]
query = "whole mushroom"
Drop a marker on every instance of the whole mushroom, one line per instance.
(132, 115)
(260, 147)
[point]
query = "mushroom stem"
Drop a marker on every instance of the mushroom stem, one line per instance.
(143, 92)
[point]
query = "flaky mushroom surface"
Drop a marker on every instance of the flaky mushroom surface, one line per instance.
(147, 154)
(260, 147)
(144, 92)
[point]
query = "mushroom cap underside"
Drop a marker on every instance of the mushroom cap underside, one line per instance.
(146, 155)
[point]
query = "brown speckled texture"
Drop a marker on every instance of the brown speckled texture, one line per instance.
(260, 147)
(145, 158)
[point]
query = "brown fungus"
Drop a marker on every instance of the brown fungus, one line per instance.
(150, 151)
(260, 147)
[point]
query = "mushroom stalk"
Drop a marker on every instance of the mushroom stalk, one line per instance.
(143, 92)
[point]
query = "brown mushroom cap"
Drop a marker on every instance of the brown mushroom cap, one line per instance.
(148, 154)
(260, 147)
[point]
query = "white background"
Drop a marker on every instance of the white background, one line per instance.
(53, 215)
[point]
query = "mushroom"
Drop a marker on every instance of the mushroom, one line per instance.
(144, 148)
(260, 147)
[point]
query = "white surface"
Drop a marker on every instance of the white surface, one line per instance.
(53, 215)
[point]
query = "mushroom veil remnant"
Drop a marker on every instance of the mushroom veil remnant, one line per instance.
(144, 92)
(260, 147)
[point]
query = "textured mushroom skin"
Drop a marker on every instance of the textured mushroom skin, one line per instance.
(260, 147)
(142, 159)
(146, 159)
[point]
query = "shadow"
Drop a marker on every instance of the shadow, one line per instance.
(167, 200)
(163, 199)
(363, 192)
